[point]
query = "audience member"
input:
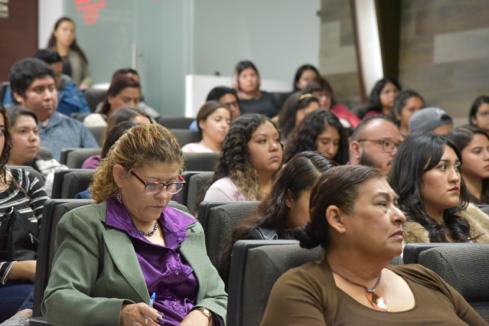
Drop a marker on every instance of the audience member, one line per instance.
(25, 143)
(320, 131)
(75, 62)
(251, 98)
(382, 98)
(21, 199)
(375, 142)
(251, 156)
(479, 112)
(296, 107)
(473, 144)
(426, 176)
(213, 122)
(133, 73)
(227, 97)
(283, 213)
(324, 92)
(303, 76)
(407, 103)
(70, 99)
(355, 219)
(34, 87)
(123, 91)
(431, 120)
(114, 256)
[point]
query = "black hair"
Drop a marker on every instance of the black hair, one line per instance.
(114, 134)
(461, 137)
(313, 125)
(117, 85)
(474, 108)
(6, 147)
(216, 93)
(24, 72)
(338, 186)
(374, 103)
(243, 65)
(48, 56)
(300, 71)
(206, 110)
(124, 71)
(294, 103)
(73, 46)
(417, 155)
(401, 101)
(321, 84)
(14, 112)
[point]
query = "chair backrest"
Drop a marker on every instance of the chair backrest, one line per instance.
(58, 180)
(99, 134)
(76, 157)
(412, 251)
(52, 214)
(464, 267)
(75, 181)
(94, 96)
(195, 187)
(218, 225)
(185, 136)
(255, 266)
(175, 122)
(200, 161)
(44, 153)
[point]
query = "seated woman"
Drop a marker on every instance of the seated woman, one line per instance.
(295, 109)
(382, 98)
(355, 219)
(473, 144)
(251, 156)
(407, 103)
(303, 76)
(122, 115)
(213, 122)
(251, 98)
(322, 89)
(124, 91)
(130, 259)
(479, 112)
(320, 131)
(26, 144)
(286, 209)
(21, 197)
(426, 175)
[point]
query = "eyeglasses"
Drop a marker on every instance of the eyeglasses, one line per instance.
(155, 187)
(387, 145)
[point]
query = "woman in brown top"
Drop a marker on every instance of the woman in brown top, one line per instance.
(355, 218)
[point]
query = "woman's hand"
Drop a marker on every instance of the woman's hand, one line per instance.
(22, 270)
(137, 314)
(196, 318)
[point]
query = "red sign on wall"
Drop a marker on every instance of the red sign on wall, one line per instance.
(90, 9)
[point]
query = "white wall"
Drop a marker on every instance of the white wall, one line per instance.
(49, 12)
(277, 35)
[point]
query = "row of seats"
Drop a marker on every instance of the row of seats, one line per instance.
(256, 264)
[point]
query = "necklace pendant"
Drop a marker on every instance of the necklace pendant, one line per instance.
(377, 302)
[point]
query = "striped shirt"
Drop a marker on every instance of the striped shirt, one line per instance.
(25, 195)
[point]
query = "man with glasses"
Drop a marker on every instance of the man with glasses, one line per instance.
(34, 87)
(374, 143)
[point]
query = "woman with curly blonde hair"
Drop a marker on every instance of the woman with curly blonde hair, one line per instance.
(130, 259)
(251, 155)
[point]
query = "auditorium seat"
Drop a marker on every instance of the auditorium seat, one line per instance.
(195, 187)
(74, 157)
(200, 161)
(175, 122)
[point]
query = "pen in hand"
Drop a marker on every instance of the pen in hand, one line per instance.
(152, 299)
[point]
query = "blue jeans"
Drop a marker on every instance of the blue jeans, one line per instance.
(14, 297)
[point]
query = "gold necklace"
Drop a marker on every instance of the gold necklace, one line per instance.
(377, 302)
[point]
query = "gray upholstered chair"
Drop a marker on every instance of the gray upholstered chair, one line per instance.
(76, 157)
(185, 136)
(255, 266)
(200, 161)
(466, 268)
(219, 222)
(194, 189)
(75, 181)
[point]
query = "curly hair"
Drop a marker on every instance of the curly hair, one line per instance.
(235, 159)
(417, 155)
(7, 145)
(313, 125)
(293, 104)
(140, 145)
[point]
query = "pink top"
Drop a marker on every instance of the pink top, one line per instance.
(347, 118)
(224, 190)
(199, 147)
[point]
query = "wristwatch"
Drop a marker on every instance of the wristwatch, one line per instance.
(205, 312)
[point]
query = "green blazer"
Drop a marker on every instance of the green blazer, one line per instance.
(95, 271)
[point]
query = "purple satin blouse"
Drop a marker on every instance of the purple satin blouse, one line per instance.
(165, 270)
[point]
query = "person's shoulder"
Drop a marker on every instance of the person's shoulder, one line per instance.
(415, 232)
(86, 214)
(309, 275)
